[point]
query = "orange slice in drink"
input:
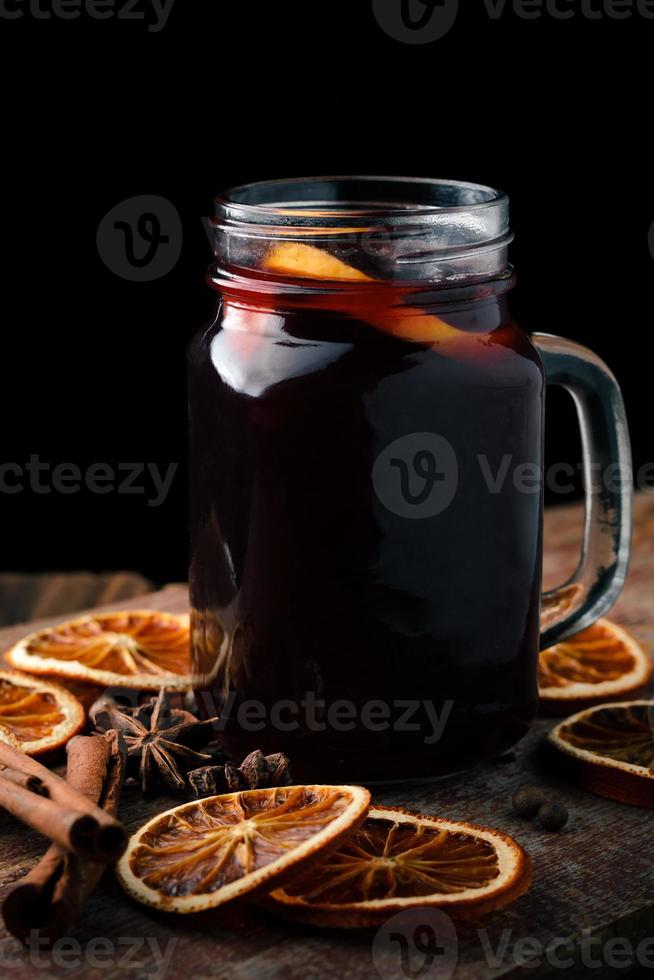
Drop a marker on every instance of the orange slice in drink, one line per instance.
(611, 750)
(399, 860)
(307, 261)
(35, 715)
(208, 853)
(602, 663)
(141, 649)
(296, 259)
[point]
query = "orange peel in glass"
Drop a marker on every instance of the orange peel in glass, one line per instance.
(296, 259)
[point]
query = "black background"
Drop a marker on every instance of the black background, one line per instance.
(556, 112)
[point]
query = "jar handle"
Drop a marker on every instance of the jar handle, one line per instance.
(606, 453)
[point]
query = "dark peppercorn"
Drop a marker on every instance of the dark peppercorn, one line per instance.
(553, 816)
(527, 800)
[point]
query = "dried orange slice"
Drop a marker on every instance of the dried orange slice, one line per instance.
(611, 748)
(7, 737)
(398, 860)
(602, 663)
(207, 853)
(35, 715)
(141, 649)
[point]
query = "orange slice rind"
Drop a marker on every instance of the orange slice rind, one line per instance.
(398, 860)
(611, 750)
(8, 738)
(602, 663)
(208, 853)
(140, 649)
(36, 715)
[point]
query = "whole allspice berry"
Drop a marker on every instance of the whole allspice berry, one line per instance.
(528, 800)
(553, 816)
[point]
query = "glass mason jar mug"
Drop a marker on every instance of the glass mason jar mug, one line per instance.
(366, 480)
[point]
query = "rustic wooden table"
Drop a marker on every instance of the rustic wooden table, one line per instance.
(590, 911)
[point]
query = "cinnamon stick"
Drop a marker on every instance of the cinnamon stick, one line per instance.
(49, 898)
(67, 816)
(72, 830)
(33, 783)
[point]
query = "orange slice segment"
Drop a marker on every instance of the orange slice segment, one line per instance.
(35, 715)
(207, 853)
(407, 323)
(141, 649)
(398, 860)
(601, 663)
(611, 747)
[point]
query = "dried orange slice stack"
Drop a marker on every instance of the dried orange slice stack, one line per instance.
(602, 663)
(205, 854)
(398, 860)
(339, 864)
(140, 649)
(611, 749)
(35, 715)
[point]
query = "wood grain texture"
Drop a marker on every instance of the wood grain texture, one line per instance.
(593, 883)
(37, 596)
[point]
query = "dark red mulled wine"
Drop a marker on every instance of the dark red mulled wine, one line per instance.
(366, 494)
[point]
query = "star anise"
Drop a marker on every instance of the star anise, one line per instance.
(162, 742)
(257, 771)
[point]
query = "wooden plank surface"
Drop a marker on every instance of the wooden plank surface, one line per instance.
(592, 901)
(30, 597)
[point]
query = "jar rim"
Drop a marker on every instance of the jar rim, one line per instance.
(393, 228)
(288, 201)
